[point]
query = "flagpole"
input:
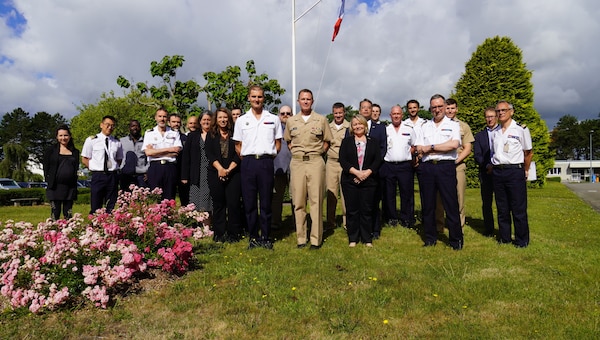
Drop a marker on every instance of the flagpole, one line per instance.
(293, 104)
(294, 19)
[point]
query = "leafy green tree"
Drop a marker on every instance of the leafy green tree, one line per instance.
(496, 72)
(43, 126)
(14, 164)
(33, 134)
(87, 122)
(172, 94)
(227, 89)
(570, 138)
(14, 128)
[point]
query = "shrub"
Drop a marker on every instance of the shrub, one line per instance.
(57, 263)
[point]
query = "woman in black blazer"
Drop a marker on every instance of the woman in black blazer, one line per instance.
(224, 178)
(360, 159)
(61, 162)
(195, 164)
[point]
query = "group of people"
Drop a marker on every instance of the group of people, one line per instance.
(237, 167)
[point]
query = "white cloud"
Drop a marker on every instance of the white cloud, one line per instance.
(397, 50)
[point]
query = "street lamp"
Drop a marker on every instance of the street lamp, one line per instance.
(591, 157)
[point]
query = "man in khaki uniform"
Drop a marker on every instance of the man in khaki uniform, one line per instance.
(308, 137)
(466, 145)
(333, 169)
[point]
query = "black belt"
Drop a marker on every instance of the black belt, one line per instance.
(402, 162)
(306, 158)
(508, 166)
(444, 161)
(162, 162)
(104, 172)
(263, 156)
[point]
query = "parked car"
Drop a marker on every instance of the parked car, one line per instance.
(38, 185)
(7, 183)
(23, 185)
(84, 183)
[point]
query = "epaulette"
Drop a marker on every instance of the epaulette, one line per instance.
(149, 130)
(93, 137)
(524, 126)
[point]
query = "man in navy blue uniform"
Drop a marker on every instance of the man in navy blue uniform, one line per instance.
(483, 158)
(512, 153)
(376, 131)
(437, 144)
(258, 140)
(102, 154)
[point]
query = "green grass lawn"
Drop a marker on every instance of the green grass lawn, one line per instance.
(395, 290)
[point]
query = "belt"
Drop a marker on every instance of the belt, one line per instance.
(333, 159)
(402, 162)
(103, 172)
(262, 156)
(162, 162)
(437, 161)
(306, 158)
(508, 166)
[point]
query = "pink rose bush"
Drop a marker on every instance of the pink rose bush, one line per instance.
(57, 262)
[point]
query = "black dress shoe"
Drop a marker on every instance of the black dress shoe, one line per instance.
(313, 247)
(254, 243)
(376, 235)
(429, 244)
(267, 244)
(300, 246)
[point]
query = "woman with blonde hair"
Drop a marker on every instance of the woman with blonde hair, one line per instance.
(360, 159)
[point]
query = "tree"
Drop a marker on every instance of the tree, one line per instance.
(14, 164)
(570, 138)
(43, 126)
(496, 72)
(227, 89)
(172, 94)
(87, 122)
(14, 128)
(33, 134)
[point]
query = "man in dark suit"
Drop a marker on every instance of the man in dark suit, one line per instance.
(377, 132)
(483, 140)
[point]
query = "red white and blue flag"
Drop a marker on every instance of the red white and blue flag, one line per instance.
(338, 23)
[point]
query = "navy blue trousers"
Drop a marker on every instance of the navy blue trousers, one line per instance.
(510, 188)
(104, 189)
(257, 188)
(399, 175)
(487, 198)
(434, 178)
(163, 176)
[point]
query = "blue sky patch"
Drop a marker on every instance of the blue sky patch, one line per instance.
(15, 20)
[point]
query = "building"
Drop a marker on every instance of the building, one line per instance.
(575, 170)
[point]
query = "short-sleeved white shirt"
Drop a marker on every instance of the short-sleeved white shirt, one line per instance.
(430, 134)
(94, 148)
(399, 143)
(160, 141)
(510, 144)
(258, 136)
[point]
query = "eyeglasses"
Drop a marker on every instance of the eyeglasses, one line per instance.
(285, 113)
(502, 110)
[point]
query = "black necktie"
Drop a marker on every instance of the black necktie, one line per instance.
(106, 155)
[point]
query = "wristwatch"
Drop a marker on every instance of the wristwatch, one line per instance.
(432, 147)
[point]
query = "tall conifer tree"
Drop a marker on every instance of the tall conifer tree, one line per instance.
(496, 72)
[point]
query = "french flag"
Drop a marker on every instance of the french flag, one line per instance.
(338, 23)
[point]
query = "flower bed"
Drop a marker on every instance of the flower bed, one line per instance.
(57, 263)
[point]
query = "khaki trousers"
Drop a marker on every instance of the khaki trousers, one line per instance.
(333, 173)
(461, 187)
(307, 179)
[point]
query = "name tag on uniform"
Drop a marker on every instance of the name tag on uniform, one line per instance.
(446, 129)
(269, 123)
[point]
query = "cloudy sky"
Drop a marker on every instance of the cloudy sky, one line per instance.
(57, 54)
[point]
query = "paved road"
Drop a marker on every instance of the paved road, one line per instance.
(589, 192)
